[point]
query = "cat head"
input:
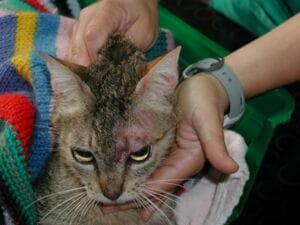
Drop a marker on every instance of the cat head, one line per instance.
(114, 121)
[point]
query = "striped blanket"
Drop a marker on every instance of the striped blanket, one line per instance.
(25, 104)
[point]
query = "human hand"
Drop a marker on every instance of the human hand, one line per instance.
(136, 19)
(202, 101)
(199, 136)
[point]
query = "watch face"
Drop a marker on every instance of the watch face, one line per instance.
(205, 65)
(217, 65)
(192, 70)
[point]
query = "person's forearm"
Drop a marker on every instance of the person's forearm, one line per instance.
(270, 61)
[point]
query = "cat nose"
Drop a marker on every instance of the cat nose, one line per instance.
(112, 194)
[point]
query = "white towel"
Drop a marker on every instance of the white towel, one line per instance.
(211, 200)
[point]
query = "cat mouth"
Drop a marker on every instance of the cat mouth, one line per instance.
(116, 203)
(113, 207)
(111, 204)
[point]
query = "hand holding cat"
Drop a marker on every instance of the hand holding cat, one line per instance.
(199, 135)
(136, 19)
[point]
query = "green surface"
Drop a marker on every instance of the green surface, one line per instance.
(263, 113)
(84, 3)
(257, 16)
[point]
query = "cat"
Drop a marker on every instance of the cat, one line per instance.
(113, 124)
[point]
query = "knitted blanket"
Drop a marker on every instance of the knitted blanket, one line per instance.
(25, 109)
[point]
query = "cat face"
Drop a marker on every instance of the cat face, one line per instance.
(114, 124)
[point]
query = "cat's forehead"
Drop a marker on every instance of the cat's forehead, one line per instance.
(129, 139)
(120, 138)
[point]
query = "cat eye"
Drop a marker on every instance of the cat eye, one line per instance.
(82, 156)
(142, 154)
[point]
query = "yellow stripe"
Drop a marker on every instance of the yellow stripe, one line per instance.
(24, 43)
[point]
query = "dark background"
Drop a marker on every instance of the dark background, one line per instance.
(275, 196)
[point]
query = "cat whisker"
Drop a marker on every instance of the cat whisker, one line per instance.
(78, 196)
(165, 195)
(174, 179)
(65, 209)
(51, 196)
(157, 208)
(154, 195)
(59, 193)
(85, 209)
(159, 199)
(143, 202)
(161, 191)
(148, 191)
(92, 207)
(170, 194)
(137, 204)
(167, 182)
(74, 210)
(70, 208)
(163, 202)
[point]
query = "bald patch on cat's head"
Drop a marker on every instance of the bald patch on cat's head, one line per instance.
(130, 138)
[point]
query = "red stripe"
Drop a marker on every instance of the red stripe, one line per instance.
(37, 5)
(20, 113)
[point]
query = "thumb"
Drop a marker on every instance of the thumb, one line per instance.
(211, 134)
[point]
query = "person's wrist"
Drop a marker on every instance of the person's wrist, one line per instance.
(152, 4)
(205, 80)
(217, 88)
(222, 72)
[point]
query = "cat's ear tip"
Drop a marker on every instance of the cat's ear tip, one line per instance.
(179, 47)
(42, 54)
(176, 51)
(45, 56)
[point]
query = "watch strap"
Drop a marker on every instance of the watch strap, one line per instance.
(231, 84)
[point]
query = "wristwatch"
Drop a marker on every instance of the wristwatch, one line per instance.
(218, 69)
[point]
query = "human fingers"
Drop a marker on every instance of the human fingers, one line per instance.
(144, 30)
(92, 30)
(135, 19)
(206, 118)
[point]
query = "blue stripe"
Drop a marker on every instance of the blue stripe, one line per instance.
(159, 48)
(7, 37)
(45, 40)
(10, 81)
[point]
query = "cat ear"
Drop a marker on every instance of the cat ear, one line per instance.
(79, 70)
(70, 92)
(144, 69)
(160, 76)
(153, 105)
